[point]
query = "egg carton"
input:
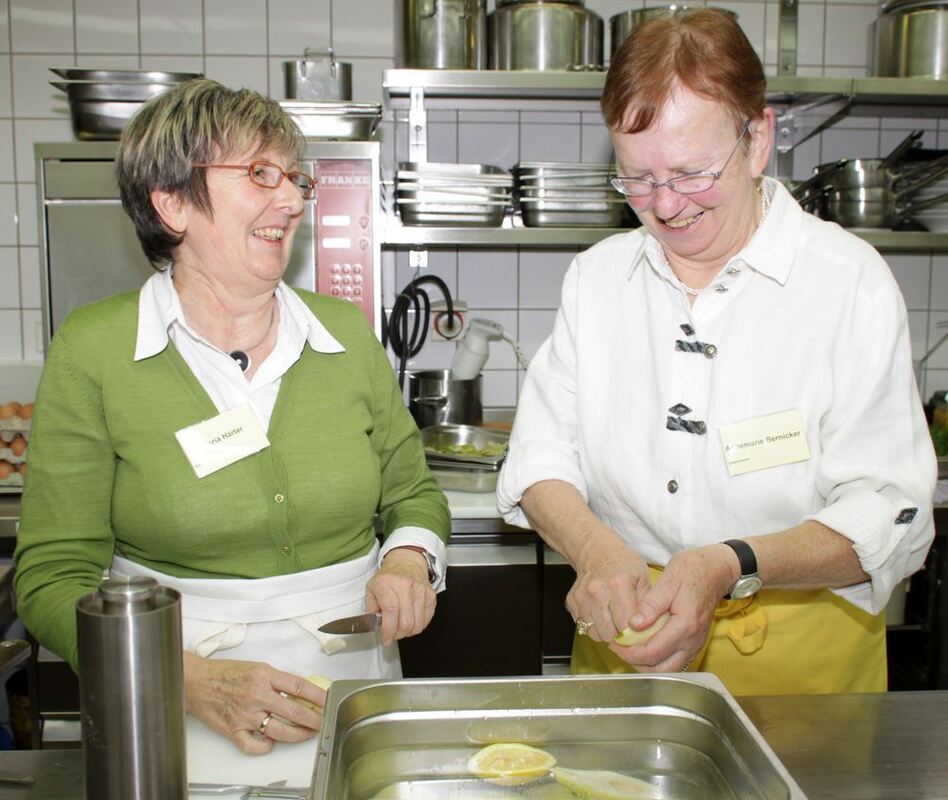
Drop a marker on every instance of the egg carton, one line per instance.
(12, 480)
(7, 435)
(6, 454)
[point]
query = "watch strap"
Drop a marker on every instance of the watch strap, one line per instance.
(745, 556)
(430, 559)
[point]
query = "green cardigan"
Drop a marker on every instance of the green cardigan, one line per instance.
(106, 473)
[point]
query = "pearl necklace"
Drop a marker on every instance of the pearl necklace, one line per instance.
(764, 208)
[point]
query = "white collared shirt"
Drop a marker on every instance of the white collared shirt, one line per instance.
(161, 319)
(807, 316)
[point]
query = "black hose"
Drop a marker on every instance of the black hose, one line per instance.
(395, 331)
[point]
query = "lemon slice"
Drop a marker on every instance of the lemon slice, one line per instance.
(592, 784)
(511, 763)
(629, 636)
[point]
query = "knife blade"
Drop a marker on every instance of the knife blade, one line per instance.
(360, 623)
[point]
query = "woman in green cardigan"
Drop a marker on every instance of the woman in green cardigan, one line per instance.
(229, 436)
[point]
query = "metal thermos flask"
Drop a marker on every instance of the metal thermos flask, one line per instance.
(131, 691)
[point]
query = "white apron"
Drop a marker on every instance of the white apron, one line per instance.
(274, 620)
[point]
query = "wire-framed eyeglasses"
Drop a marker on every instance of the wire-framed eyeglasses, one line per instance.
(270, 175)
(684, 184)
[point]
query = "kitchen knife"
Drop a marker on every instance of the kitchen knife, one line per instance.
(274, 790)
(361, 623)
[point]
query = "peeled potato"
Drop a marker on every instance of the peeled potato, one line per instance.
(629, 636)
(323, 683)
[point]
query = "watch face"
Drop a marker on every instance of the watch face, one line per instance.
(745, 586)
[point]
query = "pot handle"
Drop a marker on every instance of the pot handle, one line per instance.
(909, 208)
(800, 191)
(905, 186)
(437, 400)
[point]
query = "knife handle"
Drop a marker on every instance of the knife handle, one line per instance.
(289, 793)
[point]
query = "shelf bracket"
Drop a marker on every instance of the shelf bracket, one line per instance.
(803, 121)
(417, 127)
(787, 38)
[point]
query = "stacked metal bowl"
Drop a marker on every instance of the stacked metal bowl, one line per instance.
(565, 194)
(101, 101)
(432, 193)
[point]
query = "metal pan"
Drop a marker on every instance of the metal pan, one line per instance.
(123, 91)
(111, 75)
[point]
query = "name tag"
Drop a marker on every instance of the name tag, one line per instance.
(222, 440)
(764, 442)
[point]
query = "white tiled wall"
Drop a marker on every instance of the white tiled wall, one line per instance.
(244, 42)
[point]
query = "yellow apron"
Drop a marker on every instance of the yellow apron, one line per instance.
(780, 641)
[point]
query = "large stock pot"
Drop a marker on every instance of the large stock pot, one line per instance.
(440, 34)
(909, 39)
(544, 35)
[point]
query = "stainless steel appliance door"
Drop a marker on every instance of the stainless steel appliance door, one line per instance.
(92, 252)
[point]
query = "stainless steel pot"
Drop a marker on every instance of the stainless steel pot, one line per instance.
(909, 39)
(621, 25)
(434, 398)
(440, 34)
(544, 35)
(316, 76)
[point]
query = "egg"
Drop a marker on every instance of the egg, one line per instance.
(6, 470)
(26, 411)
(10, 409)
(18, 446)
(21, 468)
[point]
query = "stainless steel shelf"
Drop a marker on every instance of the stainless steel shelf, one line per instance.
(404, 237)
(560, 85)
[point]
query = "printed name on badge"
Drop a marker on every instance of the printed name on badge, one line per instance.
(764, 442)
(220, 441)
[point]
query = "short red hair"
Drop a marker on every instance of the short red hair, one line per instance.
(704, 51)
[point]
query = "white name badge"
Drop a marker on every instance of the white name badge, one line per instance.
(220, 441)
(764, 442)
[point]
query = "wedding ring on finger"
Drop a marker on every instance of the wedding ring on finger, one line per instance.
(266, 721)
(582, 627)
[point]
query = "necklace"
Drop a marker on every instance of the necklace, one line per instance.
(242, 357)
(764, 208)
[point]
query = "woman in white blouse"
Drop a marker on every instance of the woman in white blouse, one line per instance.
(723, 433)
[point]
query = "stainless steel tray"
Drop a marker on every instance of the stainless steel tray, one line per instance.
(684, 734)
(464, 479)
(436, 438)
(540, 213)
(124, 91)
(103, 74)
(477, 216)
(100, 119)
(443, 169)
(334, 120)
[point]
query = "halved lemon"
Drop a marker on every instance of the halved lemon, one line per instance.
(511, 763)
(593, 784)
(630, 636)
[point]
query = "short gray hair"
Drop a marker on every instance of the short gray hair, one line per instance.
(200, 121)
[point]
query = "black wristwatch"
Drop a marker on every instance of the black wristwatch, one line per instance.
(749, 582)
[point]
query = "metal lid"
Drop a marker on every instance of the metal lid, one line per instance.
(502, 3)
(904, 6)
(136, 591)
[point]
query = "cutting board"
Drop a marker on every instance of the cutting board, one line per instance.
(214, 759)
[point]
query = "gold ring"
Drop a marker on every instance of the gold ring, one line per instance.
(582, 626)
(266, 721)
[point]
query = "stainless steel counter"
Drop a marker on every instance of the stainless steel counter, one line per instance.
(837, 747)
